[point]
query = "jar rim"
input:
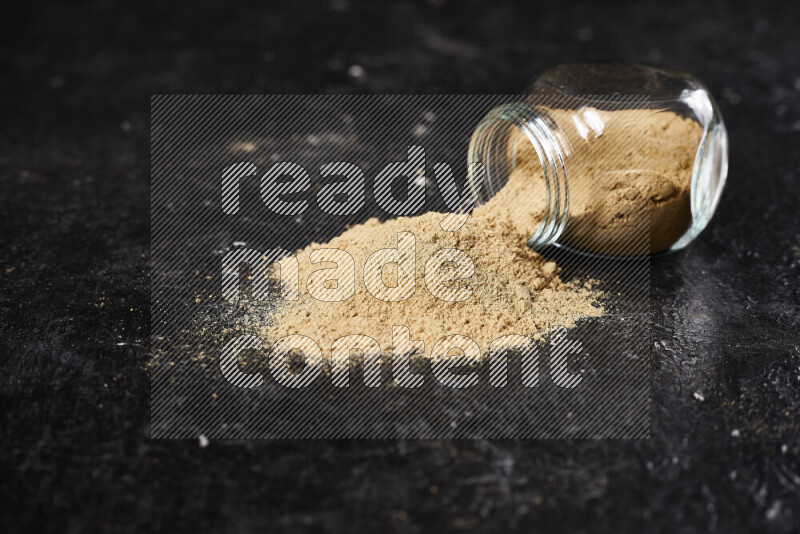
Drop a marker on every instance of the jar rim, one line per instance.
(490, 138)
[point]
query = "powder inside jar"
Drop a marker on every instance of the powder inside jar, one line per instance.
(628, 178)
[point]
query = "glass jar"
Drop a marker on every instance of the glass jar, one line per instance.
(612, 159)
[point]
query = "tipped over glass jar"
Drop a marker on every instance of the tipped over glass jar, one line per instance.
(613, 159)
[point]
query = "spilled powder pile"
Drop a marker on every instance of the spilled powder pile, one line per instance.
(514, 289)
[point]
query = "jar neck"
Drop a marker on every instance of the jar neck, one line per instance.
(491, 145)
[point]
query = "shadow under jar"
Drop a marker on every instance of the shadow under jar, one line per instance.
(612, 159)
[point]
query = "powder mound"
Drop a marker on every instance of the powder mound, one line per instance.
(514, 290)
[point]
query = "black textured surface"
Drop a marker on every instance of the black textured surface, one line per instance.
(74, 319)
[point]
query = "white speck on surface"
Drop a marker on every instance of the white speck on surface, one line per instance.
(356, 71)
(239, 244)
(774, 511)
(419, 179)
(699, 396)
(733, 475)
(419, 130)
(784, 449)
(203, 441)
(735, 433)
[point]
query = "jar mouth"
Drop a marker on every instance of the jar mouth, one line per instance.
(494, 145)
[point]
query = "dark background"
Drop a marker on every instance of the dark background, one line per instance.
(74, 293)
